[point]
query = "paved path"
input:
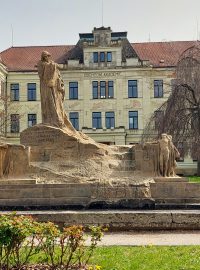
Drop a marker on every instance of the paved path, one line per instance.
(160, 238)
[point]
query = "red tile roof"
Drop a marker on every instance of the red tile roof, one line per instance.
(160, 54)
(25, 58)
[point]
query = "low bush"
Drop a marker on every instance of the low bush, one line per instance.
(21, 238)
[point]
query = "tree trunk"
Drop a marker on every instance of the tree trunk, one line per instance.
(198, 167)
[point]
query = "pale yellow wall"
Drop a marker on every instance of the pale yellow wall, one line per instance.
(3, 74)
(145, 104)
(23, 107)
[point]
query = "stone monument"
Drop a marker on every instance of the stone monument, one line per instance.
(69, 169)
(59, 154)
(65, 150)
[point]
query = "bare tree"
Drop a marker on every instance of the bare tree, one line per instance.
(179, 116)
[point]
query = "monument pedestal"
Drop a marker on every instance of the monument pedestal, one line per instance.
(175, 190)
(26, 195)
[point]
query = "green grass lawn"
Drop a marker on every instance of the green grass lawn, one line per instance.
(140, 258)
(148, 258)
(194, 179)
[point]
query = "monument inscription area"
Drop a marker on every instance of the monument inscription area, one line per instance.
(37, 137)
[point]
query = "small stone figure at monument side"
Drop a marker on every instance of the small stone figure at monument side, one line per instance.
(52, 93)
(168, 154)
(164, 154)
(173, 154)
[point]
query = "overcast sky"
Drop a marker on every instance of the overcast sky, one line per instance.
(52, 22)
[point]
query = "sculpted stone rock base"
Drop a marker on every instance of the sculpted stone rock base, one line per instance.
(57, 156)
(52, 144)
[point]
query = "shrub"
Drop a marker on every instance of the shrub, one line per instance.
(21, 237)
(18, 235)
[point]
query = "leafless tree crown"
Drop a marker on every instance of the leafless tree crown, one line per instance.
(180, 114)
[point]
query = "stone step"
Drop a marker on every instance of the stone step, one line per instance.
(181, 192)
(176, 206)
(122, 220)
(170, 179)
(122, 156)
(121, 148)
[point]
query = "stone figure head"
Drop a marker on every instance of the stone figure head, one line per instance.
(169, 137)
(164, 136)
(45, 56)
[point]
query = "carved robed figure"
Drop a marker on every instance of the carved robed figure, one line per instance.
(52, 93)
(168, 154)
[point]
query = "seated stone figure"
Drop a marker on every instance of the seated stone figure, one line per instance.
(14, 160)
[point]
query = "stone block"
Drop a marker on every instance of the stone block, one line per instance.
(176, 192)
(17, 182)
(170, 179)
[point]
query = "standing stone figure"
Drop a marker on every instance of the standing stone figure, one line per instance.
(173, 154)
(164, 154)
(52, 93)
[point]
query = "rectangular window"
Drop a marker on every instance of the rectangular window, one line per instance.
(31, 91)
(74, 119)
(32, 120)
(14, 123)
(95, 89)
(158, 88)
(73, 90)
(102, 89)
(14, 92)
(132, 89)
(133, 120)
(102, 56)
(95, 57)
(96, 120)
(110, 89)
(109, 56)
(110, 119)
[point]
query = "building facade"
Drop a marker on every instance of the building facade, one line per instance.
(112, 86)
(3, 99)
